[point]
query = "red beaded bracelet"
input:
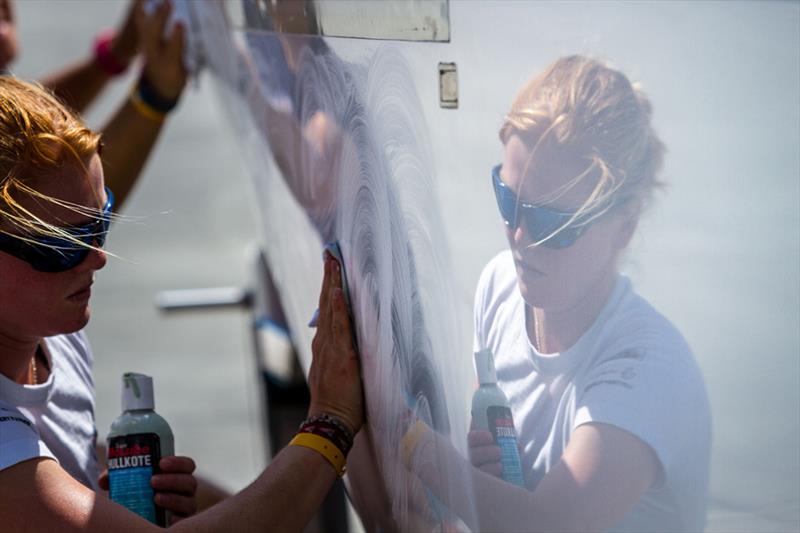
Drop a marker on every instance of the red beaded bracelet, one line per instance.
(104, 57)
(329, 427)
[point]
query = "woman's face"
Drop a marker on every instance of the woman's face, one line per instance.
(35, 304)
(559, 279)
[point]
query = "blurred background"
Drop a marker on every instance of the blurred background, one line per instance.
(719, 253)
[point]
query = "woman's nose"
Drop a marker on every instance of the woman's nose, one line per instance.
(520, 236)
(101, 258)
(96, 260)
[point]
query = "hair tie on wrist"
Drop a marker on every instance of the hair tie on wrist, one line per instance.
(149, 95)
(146, 100)
(103, 55)
(145, 110)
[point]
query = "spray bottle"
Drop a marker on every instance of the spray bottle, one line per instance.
(139, 438)
(490, 412)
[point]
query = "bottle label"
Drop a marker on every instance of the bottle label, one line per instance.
(501, 425)
(132, 461)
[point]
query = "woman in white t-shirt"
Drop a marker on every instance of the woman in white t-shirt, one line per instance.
(55, 212)
(610, 408)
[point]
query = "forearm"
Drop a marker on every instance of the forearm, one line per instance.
(599, 478)
(78, 84)
(128, 139)
(283, 498)
(482, 501)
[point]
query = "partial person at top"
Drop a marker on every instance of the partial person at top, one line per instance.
(131, 133)
(610, 407)
(55, 211)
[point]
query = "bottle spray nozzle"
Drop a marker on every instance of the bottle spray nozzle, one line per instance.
(137, 392)
(484, 367)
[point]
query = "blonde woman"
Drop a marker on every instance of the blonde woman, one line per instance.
(610, 407)
(55, 212)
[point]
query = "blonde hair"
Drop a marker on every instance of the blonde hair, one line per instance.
(38, 137)
(582, 108)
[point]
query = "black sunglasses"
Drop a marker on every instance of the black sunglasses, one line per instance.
(547, 227)
(59, 254)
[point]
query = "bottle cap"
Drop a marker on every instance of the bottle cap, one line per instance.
(137, 392)
(484, 365)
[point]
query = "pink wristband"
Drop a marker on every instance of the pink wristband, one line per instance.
(104, 57)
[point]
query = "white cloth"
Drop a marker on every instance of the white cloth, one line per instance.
(631, 369)
(54, 419)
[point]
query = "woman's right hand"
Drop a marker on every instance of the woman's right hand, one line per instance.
(335, 377)
(163, 55)
(484, 454)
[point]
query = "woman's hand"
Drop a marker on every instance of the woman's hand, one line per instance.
(124, 46)
(175, 486)
(163, 55)
(334, 377)
(484, 453)
(9, 44)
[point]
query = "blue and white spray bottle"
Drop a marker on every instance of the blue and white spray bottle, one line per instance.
(139, 438)
(491, 412)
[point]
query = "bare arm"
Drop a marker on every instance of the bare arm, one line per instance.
(602, 474)
(38, 495)
(79, 83)
(128, 140)
(130, 135)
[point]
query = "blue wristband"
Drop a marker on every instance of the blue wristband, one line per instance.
(150, 97)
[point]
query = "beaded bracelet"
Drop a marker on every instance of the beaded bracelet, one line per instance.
(330, 419)
(329, 427)
(104, 57)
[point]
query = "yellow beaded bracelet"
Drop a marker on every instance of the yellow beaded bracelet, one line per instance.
(324, 447)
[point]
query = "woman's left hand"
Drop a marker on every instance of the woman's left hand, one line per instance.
(175, 486)
(335, 378)
(484, 453)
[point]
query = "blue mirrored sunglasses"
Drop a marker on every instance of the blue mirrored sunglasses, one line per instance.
(59, 254)
(546, 227)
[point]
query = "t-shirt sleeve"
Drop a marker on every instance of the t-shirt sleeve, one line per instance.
(647, 391)
(19, 439)
(479, 308)
(477, 311)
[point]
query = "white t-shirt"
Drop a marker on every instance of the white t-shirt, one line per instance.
(54, 419)
(631, 369)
